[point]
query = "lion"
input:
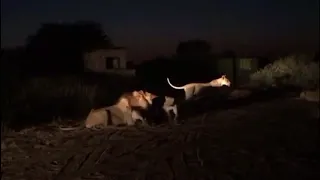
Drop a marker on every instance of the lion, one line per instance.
(168, 105)
(193, 89)
(124, 112)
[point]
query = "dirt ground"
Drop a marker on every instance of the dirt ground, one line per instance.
(261, 141)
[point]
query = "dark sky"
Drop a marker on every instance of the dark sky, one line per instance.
(151, 28)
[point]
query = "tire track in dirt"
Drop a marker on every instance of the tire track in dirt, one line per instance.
(134, 161)
(181, 152)
(84, 163)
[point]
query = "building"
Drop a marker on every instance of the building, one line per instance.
(112, 60)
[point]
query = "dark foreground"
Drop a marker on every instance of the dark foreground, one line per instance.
(262, 141)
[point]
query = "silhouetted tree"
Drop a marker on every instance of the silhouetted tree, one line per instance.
(316, 57)
(60, 47)
(10, 73)
(229, 54)
(154, 70)
(10, 61)
(193, 48)
(194, 55)
(152, 75)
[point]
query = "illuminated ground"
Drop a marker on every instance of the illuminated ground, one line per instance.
(266, 140)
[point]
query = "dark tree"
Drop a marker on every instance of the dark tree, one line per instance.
(194, 55)
(228, 54)
(10, 67)
(152, 75)
(193, 48)
(316, 57)
(59, 48)
(154, 70)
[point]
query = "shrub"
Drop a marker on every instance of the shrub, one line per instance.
(296, 71)
(43, 99)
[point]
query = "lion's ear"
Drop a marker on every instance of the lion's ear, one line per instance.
(135, 93)
(152, 96)
(138, 94)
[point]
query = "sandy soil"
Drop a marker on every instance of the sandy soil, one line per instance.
(263, 140)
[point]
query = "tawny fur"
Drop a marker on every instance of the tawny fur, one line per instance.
(193, 89)
(111, 115)
(121, 113)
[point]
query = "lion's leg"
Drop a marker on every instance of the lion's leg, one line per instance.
(175, 113)
(189, 93)
(196, 90)
(136, 116)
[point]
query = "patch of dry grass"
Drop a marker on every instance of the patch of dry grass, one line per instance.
(43, 99)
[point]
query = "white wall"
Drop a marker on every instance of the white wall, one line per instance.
(96, 60)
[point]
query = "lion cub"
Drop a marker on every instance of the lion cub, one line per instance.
(193, 89)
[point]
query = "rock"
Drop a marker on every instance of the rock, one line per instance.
(239, 94)
(310, 95)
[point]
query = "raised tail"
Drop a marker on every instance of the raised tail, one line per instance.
(175, 87)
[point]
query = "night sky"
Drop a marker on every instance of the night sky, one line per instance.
(151, 28)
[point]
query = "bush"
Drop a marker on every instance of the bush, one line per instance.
(43, 99)
(296, 71)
